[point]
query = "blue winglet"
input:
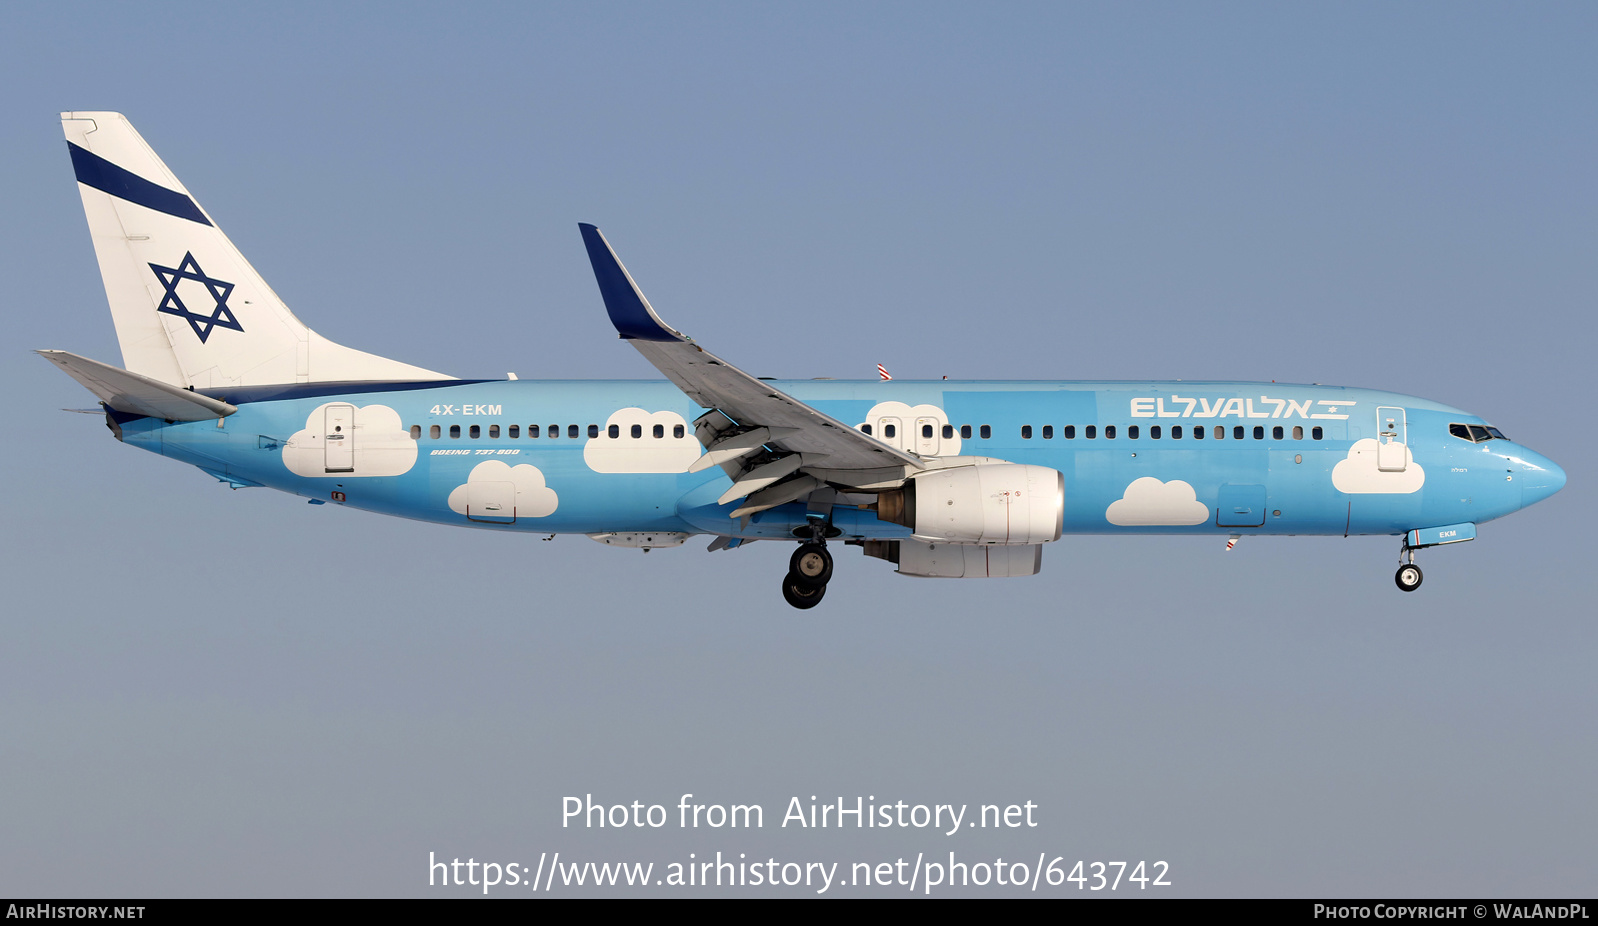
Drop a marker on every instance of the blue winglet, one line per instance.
(629, 311)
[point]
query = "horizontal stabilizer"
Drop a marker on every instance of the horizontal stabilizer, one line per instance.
(137, 395)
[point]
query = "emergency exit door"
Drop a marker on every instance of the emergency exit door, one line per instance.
(927, 438)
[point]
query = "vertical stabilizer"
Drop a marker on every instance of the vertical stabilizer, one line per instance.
(189, 309)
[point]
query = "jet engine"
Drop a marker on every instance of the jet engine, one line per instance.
(1003, 503)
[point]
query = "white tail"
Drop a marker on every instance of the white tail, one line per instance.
(189, 309)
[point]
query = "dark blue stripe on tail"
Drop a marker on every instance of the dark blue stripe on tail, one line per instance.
(97, 172)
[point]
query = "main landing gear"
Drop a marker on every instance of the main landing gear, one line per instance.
(809, 571)
(1409, 575)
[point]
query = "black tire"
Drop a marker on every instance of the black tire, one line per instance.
(800, 595)
(811, 564)
(1408, 577)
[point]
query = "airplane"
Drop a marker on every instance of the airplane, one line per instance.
(943, 479)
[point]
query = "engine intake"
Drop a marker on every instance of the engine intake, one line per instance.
(1007, 503)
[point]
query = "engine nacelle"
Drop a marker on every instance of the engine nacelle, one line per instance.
(1003, 503)
(958, 560)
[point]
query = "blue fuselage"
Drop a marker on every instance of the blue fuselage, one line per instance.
(1271, 458)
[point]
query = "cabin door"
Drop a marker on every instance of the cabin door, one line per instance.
(1392, 451)
(338, 438)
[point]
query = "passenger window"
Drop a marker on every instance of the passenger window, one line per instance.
(1091, 431)
(1026, 432)
(965, 432)
(926, 430)
(593, 431)
(532, 430)
(1237, 432)
(987, 432)
(890, 431)
(865, 429)
(416, 432)
(1198, 432)
(493, 430)
(1220, 432)
(614, 431)
(1048, 432)
(571, 431)
(1069, 432)
(1131, 432)
(455, 432)
(1298, 432)
(660, 430)
(1259, 432)
(1109, 432)
(1154, 432)
(554, 430)
(1176, 432)
(434, 432)
(1276, 433)
(515, 431)
(1316, 432)
(948, 432)
(476, 431)
(637, 431)
(677, 431)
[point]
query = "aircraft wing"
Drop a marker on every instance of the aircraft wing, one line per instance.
(751, 404)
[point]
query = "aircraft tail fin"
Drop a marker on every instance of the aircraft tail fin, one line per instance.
(189, 309)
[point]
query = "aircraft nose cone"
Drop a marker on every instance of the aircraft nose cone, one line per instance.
(1541, 478)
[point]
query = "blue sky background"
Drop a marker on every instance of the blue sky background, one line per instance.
(205, 692)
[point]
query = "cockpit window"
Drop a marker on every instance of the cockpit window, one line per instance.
(1475, 433)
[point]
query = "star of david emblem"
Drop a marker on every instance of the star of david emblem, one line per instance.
(172, 303)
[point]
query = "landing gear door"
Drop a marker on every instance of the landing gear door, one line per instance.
(338, 438)
(927, 440)
(1392, 442)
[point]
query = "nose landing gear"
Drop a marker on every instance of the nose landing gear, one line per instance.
(1409, 575)
(809, 571)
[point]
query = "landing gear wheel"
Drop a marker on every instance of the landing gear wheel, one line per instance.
(811, 564)
(801, 595)
(1408, 577)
